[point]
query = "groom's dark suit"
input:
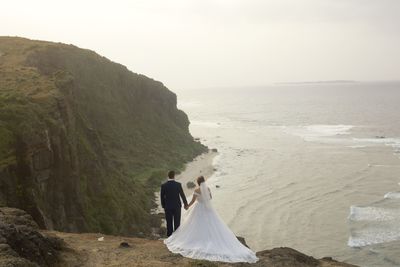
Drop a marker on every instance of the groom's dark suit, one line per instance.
(171, 192)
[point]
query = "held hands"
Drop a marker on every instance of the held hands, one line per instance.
(186, 207)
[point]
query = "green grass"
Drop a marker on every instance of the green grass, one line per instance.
(121, 129)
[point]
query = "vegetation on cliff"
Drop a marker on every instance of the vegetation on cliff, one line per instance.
(83, 140)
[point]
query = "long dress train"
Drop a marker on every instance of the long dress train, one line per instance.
(203, 235)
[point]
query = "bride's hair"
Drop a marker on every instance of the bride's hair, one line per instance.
(200, 180)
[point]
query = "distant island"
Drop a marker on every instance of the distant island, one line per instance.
(318, 82)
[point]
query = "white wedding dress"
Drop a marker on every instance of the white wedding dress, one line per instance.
(203, 235)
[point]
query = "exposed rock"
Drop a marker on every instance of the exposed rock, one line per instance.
(124, 245)
(242, 240)
(214, 150)
(190, 185)
(21, 244)
(9, 258)
(328, 261)
(17, 217)
(286, 257)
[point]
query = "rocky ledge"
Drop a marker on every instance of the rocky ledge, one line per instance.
(23, 244)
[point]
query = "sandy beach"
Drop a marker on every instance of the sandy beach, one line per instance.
(201, 165)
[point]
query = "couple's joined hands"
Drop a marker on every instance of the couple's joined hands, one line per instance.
(186, 207)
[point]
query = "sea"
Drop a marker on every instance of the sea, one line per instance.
(311, 166)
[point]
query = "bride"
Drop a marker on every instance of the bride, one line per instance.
(203, 235)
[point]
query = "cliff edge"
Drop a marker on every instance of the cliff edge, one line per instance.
(83, 140)
(22, 244)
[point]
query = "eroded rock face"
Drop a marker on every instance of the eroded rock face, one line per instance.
(9, 258)
(83, 140)
(22, 245)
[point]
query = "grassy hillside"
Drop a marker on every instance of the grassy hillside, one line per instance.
(83, 140)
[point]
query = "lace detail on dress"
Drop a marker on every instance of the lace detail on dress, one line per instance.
(202, 255)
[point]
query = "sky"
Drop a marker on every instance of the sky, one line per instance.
(221, 43)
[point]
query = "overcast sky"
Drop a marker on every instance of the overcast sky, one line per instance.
(211, 43)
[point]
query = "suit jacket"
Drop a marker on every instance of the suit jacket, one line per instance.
(171, 192)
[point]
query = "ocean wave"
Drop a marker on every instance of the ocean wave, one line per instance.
(372, 236)
(329, 130)
(358, 146)
(372, 214)
(189, 104)
(377, 223)
(207, 124)
(392, 195)
(393, 142)
(319, 131)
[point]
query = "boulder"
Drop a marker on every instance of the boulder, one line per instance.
(190, 185)
(21, 243)
(286, 257)
(8, 257)
(242, 240)
(17, 217)
(124, 245)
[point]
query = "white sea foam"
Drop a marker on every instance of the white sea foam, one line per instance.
(189, 104)
(329, 130)
(373, 214)
(392, 142)
(319, 132)
(375, 224)
(371, 236)
(358, 146)
(206, 124)
(392, 195)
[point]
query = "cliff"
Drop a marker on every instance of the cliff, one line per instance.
(22, 245)
(83, 140)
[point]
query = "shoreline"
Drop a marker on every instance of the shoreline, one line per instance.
(201, 165)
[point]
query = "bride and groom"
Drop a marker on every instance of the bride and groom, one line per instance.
(203, 235)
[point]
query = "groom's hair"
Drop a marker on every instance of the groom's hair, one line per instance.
(171, 174)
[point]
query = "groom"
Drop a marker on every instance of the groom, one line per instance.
(171, 203)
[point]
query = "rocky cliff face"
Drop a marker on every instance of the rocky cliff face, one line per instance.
(83, 140)
(21, 243)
